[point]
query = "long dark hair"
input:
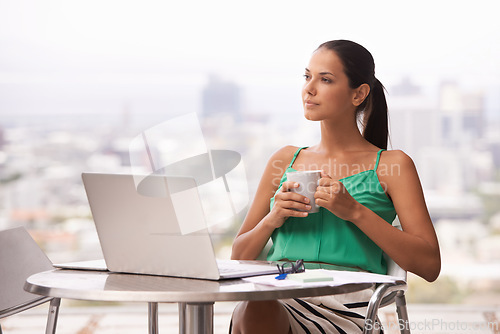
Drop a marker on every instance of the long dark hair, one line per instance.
(360, 68)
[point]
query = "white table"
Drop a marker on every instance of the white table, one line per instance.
(195, 297)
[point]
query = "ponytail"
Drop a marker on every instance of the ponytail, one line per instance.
(376, 128)
(360, 69)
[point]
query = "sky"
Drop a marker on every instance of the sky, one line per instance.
(74, 54)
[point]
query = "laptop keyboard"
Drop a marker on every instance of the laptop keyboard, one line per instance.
(232, 266)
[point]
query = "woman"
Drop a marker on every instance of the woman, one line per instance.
(361, 190)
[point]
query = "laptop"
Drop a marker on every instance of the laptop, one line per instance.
(155, 225)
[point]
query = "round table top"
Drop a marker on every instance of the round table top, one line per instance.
(109, 286)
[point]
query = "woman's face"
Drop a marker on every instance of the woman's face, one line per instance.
(326, 93)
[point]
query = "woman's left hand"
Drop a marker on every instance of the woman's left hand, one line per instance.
(333, 196)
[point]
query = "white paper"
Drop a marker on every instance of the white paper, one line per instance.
(339, 278)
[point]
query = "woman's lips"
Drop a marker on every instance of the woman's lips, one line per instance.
(310, 103)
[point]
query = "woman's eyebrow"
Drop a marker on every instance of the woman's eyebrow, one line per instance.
(322, 73)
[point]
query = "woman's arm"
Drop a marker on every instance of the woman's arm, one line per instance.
(415, 248)
(260, 222)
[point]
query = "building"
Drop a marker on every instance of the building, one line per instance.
(462, 119)
(221, 97)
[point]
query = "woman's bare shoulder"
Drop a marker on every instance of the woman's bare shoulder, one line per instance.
(284, 153)
(280, 159)
(398, 157)
(395, 163)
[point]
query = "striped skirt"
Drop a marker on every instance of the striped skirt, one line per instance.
(328, 314)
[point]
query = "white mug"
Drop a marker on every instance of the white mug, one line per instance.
(308, 182)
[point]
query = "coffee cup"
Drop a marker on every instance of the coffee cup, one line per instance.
(308, 182)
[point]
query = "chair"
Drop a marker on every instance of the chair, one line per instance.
(20, 257)
(388, 293)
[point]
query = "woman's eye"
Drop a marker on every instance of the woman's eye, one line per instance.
(306, 76)
(326, 80)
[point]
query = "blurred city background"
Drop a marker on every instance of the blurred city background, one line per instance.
(80, 79)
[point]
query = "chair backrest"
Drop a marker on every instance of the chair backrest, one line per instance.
(393, 269)
(20, 257)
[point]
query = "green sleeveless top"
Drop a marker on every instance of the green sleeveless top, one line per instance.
(324, 237)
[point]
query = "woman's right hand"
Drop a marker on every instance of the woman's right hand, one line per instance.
(261, 220)
(287, 204)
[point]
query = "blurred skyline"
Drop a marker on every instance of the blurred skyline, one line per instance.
(155, 56)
